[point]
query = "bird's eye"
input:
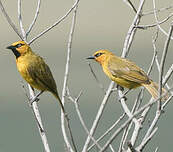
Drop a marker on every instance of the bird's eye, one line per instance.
(19, 45)
(98, 54)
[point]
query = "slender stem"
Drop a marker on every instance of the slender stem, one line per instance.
(35, 18)
(66, 75)
(157, 11)
(98, 116)
(144, 143)
(128, 2)
(20, 20)
(120, 129)
(156, 18)
(56, 23)
(132, 30)
(108, 131)
(110, 146)
(83, 123)
(168, 75)
(156, 24)
(10, 21)
(162, 63)
(38, 119)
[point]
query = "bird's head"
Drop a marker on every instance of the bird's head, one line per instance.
(19, 48)
(101, 55)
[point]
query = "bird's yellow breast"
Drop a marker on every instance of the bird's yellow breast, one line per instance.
(22, 66)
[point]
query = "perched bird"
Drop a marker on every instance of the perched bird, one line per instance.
(33, 69)
(125, 73)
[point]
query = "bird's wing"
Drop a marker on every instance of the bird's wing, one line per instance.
(127, 70)
(42, 75)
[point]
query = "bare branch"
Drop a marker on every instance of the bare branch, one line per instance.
(130, 146)
(82, 121)
(156, 18)
(129, 3)
(163, 62)
(127, 129)
(35, 18)
(157, 11)
(121, 128)
(10, 21)
(144, 27)
(109, 130)
(156, 150)
(98, 116)
(38, 119)
(168, 75)
(145, 142)
(66, 81)
(20, 20)
(132, 30)
(110, 146)
(56, 23)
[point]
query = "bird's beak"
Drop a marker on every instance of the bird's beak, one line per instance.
(11, 47)
(91, 57)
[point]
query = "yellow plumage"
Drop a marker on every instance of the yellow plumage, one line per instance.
(33, 69)
(125, 73)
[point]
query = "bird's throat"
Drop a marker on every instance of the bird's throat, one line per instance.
(16, 53)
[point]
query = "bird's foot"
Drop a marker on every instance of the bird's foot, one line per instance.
(123, 97)
(32, 100)
(120, 87)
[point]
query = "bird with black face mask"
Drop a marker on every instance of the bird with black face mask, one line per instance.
(126, 73)
(33, 69)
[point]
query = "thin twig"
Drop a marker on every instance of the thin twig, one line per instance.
(169, 99)
(124, 137)
(156, 18)
(75, 101)
(144, 27)
(157, 11)
(98, 116)
(145, 142)
(120, 129)
(10, 21)
(110, 146)
(130, 146)
(162, 63)
(38, 119)
(108, 131)
(168, 75)
(56, 23)
(66, 75)
(127, 129)
(20, 20)
(132, 30)
(35, 18)
(145, 112)
(156, 150)
(129, 3)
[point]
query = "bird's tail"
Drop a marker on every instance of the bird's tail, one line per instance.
(153, 90)
(57, 96)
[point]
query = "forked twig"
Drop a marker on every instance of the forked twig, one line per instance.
(56, 23)
(35, 18)
(66, 75)
(10, 21)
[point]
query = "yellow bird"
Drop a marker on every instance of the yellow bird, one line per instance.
(33, 69)
(125, 73)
